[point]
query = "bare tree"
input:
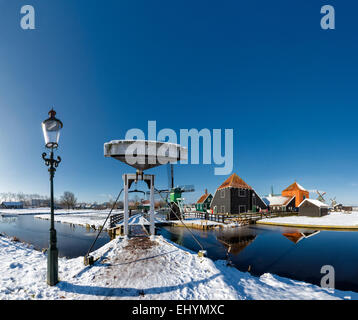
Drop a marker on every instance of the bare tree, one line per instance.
(20, 197)
(68, 200)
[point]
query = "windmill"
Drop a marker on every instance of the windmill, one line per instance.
(333, 202)
(173, 195)
(320, 196)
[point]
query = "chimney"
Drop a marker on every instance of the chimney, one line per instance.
(206, 191)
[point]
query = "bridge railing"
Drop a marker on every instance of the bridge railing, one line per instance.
(247, 216)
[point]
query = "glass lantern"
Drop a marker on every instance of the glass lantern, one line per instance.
(51, 130)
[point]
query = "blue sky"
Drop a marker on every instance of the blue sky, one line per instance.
(264, 68)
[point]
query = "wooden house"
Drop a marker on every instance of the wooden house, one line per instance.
(280, 203)
(312, 208)
(203, 204)
(236, 196)
(298, 191)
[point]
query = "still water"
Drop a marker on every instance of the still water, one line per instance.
(288, 252)
(72, 241)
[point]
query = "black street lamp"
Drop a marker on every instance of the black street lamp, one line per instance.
(51, 129)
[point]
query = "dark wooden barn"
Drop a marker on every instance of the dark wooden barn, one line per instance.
(312, 208)
(236, 196)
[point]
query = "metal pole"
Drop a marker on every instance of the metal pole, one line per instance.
(152, 232)
(52, 255)
(125, 204)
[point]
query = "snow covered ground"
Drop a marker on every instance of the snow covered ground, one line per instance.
(142, 269)
(96, 219)
(190, 218)
(333, 219)
(29, 211)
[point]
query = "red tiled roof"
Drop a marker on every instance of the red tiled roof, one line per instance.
(203, 198)
(234, 181)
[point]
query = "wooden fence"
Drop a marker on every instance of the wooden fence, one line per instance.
(249, 217)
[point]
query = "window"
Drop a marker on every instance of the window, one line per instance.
(242, 209)
(242, 193)
(222, 193)
(222, 209)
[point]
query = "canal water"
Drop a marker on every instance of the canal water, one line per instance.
(72, 241)
(288, 252)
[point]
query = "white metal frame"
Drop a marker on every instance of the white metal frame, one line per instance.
(128, 179)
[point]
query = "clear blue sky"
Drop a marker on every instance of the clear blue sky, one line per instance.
(264, 68)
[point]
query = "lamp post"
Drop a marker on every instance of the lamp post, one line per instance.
(51, 130)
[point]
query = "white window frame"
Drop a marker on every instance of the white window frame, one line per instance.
(222, 209)
(244, 195)
(222, 193)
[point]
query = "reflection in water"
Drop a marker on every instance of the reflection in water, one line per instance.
(72, 241)
(236, 242)
(295, 253)
(8, 219)
(295, 237)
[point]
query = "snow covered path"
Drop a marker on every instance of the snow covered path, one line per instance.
(333, 220)
(142, 269)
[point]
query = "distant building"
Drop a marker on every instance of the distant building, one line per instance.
(280, 203)
(12, 205)
(203, 204)
(236, 196)
(312, 208)
(298, 191)
(40, 203)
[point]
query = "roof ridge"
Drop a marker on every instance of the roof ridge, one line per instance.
(234, 181)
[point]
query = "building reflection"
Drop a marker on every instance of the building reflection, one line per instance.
(296, 237)
(235, 241)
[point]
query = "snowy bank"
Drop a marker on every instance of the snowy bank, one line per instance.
(203, 224)
(142, 269)
(32, 211)
(95, 219)
(332, 220)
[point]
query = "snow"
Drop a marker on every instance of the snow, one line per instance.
(299, 186)
(138, 219)
(275, 200)
(315, 202)
(95, 219)
(31, 211)
(190, 219)
(159, 270)
(333, 219)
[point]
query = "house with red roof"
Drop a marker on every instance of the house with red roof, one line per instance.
(297, 191)
(203, 204)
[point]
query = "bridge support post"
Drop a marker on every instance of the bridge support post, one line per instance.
(125, 205)
(152, 230)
